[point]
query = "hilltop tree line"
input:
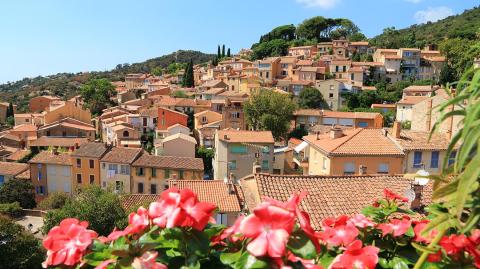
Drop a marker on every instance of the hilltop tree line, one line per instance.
(309, 32)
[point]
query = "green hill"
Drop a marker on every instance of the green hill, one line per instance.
(67, 85)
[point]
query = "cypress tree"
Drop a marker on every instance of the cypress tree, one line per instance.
(218, 52)
(228, 52)
(223, 51)
(10, 110)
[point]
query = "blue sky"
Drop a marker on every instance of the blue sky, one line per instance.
(50, 36)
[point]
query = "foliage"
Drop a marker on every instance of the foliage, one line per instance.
(269, 110)
(458, 185)
(18, 190)
(447, 74)
(325, 29)
(275, 47)
(101, 208)
(13, 210)
(55, 200)
(407, 125)
(179, 94)
(19, 249)
(10, 110)
(97, 95)
(207, 155)
(174, 231)
(311, 98)
(298, 133)
(174, 67)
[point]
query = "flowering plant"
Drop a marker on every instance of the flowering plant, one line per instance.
(178, 231)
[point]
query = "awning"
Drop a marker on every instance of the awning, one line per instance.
(301, 146)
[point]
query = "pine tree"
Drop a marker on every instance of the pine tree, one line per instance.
(223, 51)
(218, 52)
(188, 80)
(10, 110)
(228, 52)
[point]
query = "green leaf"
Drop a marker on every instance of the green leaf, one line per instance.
(424, 248)
(198, 243)
(120, 244)
(466, 180)
(248, 261)
(326, 260)
(384, 263)
(399, 263)
(410, 232)
(230, 258)
(302, 246)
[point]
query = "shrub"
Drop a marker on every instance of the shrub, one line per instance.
(13, 210)
(54, 200)
(18, 190)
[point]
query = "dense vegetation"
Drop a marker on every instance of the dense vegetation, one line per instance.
(18, 190)
(67, 85)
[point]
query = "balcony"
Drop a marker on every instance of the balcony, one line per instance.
(300, 159)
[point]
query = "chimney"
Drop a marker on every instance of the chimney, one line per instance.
(225, 137)
(257, 169)
(318, 135)
(417, 201)
(397, 128)
(362, 170)
(55, 151)
(230, 182)
(336, 132)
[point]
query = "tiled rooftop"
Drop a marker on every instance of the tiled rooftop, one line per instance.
(170, 162)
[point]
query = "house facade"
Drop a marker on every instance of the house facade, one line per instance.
(86, 164)
(116, 167)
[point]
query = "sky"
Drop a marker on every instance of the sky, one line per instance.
(51, 36)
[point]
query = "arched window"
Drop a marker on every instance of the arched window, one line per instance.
(125, 134)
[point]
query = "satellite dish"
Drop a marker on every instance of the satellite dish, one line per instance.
(225, 180)
(422, 177)
(409, 194)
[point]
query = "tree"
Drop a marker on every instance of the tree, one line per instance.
(447, 74)
(19, 248)
(97, 94)
(311, 98)
(298, 133)
(101, 208)
(269, 110)
(157, 71)
(219, 54)
(188, 79)
(54, 200)
(10, 111)
(207, 156)
(18, 190)
(276, 47)
(223, 50)
(228, 52)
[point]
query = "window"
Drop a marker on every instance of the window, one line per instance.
(140, 171)
(238, 149)
(79, 178)
(417, 159)
(267, 74)
(167, 173)
(79, 163)
(103, 165)
(344, 68)
(383, 168)
(330, 95)
(64, 133)
(349, 168)
(235, 115)
(324, 163)
(154, 172)
(363, 124)
(125, 169)
(221, 219)
(140, 187)
(113, 167)
(336, 68)
(153, 188)
(265, 165)
(180, 176)
(92, 163)
(92, 179)
(118, 185)
(434, 159)
(232, 165)
(48, 133)
(39, 176)
(126, 134)
(266, 149)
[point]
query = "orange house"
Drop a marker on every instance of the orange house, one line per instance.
(41, 103)
(167, 118)
(86, 164)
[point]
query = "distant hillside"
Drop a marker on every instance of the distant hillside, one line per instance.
(67, 84)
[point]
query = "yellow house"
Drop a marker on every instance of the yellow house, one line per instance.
(66, 109)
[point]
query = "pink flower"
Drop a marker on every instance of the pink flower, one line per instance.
(137, 222)
(180, 209)
(148, 261)
(308, 264)
(390, 195)
(357, 257)
(67, 243)
(338, 232)
(233, 233)
(418, 228)
(360, 221)
(104, 264)
(269, 226)
(397, 227)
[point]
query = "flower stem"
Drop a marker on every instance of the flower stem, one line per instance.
(434, 242)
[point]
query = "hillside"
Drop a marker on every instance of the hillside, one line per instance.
(463, 26)
(67, 84)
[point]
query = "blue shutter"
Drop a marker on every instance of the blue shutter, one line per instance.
(417, 159)
(434, 160)
(2, 179)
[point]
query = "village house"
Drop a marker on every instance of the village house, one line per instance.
(206, 123)
(233, 115)
(307, 118)
(305, 52)
(330, 196)
(9, 171)
(115, 168)
(287, 67)
(237, 152)
(86, 164)
(121, 134)
(180, 145)
(324, 48)
(41, 103)
(405, 107)
(331, 91)
(268, 69)
(353, 152)
(65, 109)
(3, 111)
(67, 127)
(36, 119)
(391, 61)
(167, 118)
(61, 143)
(385, 107)
(339, 68)
(361, 47)
(149, 119)
(51, 171)
(26, 133)
(151, 173)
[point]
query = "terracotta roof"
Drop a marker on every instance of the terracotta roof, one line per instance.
(134, 201)
(393, 57)
(234, 136)
(12, 169)
(150, 112)
(214, 91)
(18, 155)
(91, 149)
(412, 100)
(178, 125)
(328, 196)
(24, 175)
(69, 123)
(308, 112)
(384, 105)
(367, 64)
(122, 155)
(304, 62)
(180, 136)
(212, 191)
(25, 128)
(355, 69)
(351, 115)
(46, 141)
(420, 88)
(288, 59)
(358, 142)
(211, 83)
(359, 43)
(309, 69)
(345, 62)
(302, 47)
(416, 140)
(172, 162)
(48, 157)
